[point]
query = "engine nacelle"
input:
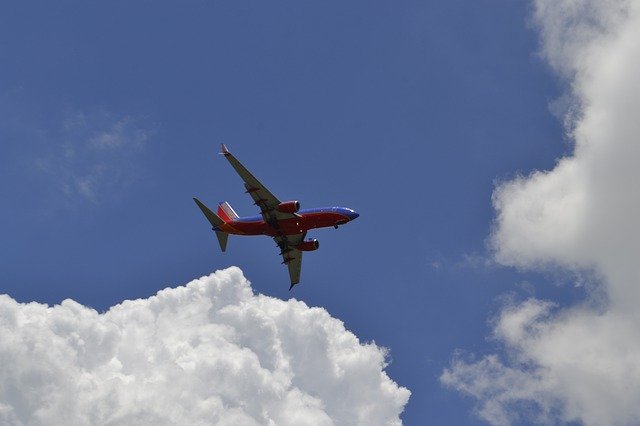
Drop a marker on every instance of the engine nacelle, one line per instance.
(309, 245)
(289, 207)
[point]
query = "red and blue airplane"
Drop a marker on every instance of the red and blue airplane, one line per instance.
(283, 221)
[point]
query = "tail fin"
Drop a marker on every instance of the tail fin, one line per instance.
(215, 221)
(226, 212)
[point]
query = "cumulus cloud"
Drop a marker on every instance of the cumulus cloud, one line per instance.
(211, 352)
(578, 363)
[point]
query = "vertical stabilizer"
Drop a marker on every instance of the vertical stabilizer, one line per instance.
(226, 212)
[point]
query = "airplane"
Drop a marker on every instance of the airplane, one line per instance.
(283, 221)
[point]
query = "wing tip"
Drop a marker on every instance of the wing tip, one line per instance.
(224, 150)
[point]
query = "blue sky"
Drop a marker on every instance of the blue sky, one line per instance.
(111, 118)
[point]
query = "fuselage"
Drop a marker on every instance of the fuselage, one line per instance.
(304, 221)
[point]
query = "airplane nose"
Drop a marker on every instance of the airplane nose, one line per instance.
(353, 215)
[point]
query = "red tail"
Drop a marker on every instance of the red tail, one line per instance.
(226, 212)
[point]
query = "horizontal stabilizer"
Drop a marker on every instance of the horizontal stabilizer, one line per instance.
(213, 218)
(215, 221)
(222, 239)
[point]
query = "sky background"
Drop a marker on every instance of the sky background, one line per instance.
(111, 116)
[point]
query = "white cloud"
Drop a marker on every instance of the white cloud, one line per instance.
(211, 352)
(580, 363)
(120, 133)
(86, 155)
(92, 155)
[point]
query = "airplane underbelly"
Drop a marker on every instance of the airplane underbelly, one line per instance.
(293, 226)
(325, 219)
(249, 228)
(309, 221)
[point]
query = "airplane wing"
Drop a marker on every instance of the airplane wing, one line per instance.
(262, 197)
(290, 255)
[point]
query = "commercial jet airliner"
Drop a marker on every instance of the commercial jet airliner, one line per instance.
(283, 221)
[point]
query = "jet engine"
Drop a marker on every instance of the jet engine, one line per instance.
(309, 245)
(289, 207)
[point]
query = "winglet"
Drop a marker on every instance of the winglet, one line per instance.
(224, 150)
(291, 286)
